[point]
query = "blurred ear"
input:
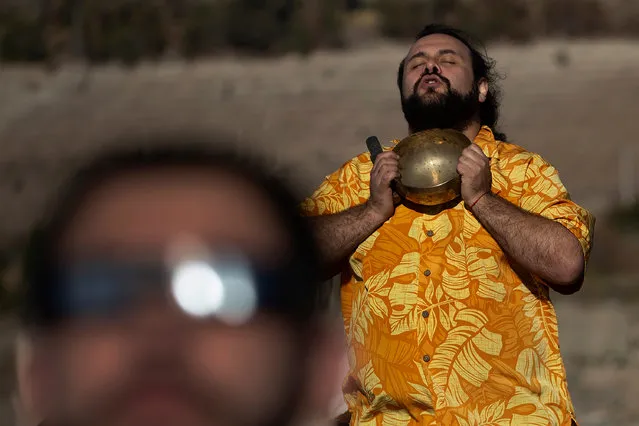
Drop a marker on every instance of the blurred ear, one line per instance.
(29, 392)
(328, 365)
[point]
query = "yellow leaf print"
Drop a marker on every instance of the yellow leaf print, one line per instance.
(369, 301)
(529, 411)
(358, 324)
(441, 228)
(330, 203)
(367, 377)
(422, 396)
(500, 182)
(544, 319)
(382, 401)
(472, 263)
(396, 418)
(368, 243)
(377, 292)
(489, 416)
(442, 312)
(460, 356)
(540, 377)
(403, 295)
(402, 299)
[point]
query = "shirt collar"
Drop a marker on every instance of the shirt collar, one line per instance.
(485, 139)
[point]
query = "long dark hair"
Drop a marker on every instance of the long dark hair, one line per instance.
(483, 67)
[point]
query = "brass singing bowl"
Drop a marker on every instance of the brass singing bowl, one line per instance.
(428, 166)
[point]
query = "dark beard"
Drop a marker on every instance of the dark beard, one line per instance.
(451, 110)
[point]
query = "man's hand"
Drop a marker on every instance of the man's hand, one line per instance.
(382, 202)
(474, 168)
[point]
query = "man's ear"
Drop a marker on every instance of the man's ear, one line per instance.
(29, 380)
(483, 89)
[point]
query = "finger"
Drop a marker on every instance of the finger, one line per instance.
(475, 158)
(384, 175)
(386, 155)
(468, 163)
(392, 175)
(477, 152)
(384, 162)
(388, 177)
(384, 168)
(476, 148)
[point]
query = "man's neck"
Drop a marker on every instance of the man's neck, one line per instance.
(471, 131)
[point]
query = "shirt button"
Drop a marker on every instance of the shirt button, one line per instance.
(430, 233)
(426, 358)
(427, 272)
(425, 314)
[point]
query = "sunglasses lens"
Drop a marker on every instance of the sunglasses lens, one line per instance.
(228, 289)
(224, 290)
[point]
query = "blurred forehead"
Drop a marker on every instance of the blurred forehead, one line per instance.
(434, 43)
(151, 210)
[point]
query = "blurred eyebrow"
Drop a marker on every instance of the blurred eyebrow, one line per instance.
(440, 53)
(448, 52)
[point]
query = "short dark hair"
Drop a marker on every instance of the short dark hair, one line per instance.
(164, 152)
(483, 67)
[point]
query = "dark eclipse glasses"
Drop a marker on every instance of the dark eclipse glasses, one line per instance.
(227, 288)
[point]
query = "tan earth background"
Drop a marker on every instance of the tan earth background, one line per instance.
(574, 101)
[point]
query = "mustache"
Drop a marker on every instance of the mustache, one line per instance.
(431, 74)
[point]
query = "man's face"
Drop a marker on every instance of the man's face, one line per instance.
(439, 88)
(154, 365)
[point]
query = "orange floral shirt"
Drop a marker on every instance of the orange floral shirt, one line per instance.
(440, 328)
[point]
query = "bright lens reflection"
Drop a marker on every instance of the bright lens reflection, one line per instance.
(197, 288)
(225, 291)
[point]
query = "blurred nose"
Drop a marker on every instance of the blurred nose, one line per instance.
(157, 321)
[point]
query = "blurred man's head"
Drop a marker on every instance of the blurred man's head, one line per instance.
(172, 287)
(446, 82)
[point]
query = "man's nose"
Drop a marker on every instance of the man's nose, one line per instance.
(159, 319)
(432, 67)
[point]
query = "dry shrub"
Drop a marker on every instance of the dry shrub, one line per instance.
(131, 30)
(277, 26)
(20, 38)
(510, 20)
(486, 19)
(576, 18)
(629, 25)
(127, 33)
(403, 19)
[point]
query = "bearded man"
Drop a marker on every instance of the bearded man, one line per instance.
(447, 310)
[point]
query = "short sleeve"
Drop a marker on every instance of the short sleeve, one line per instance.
(544, 194)
(347, 187)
